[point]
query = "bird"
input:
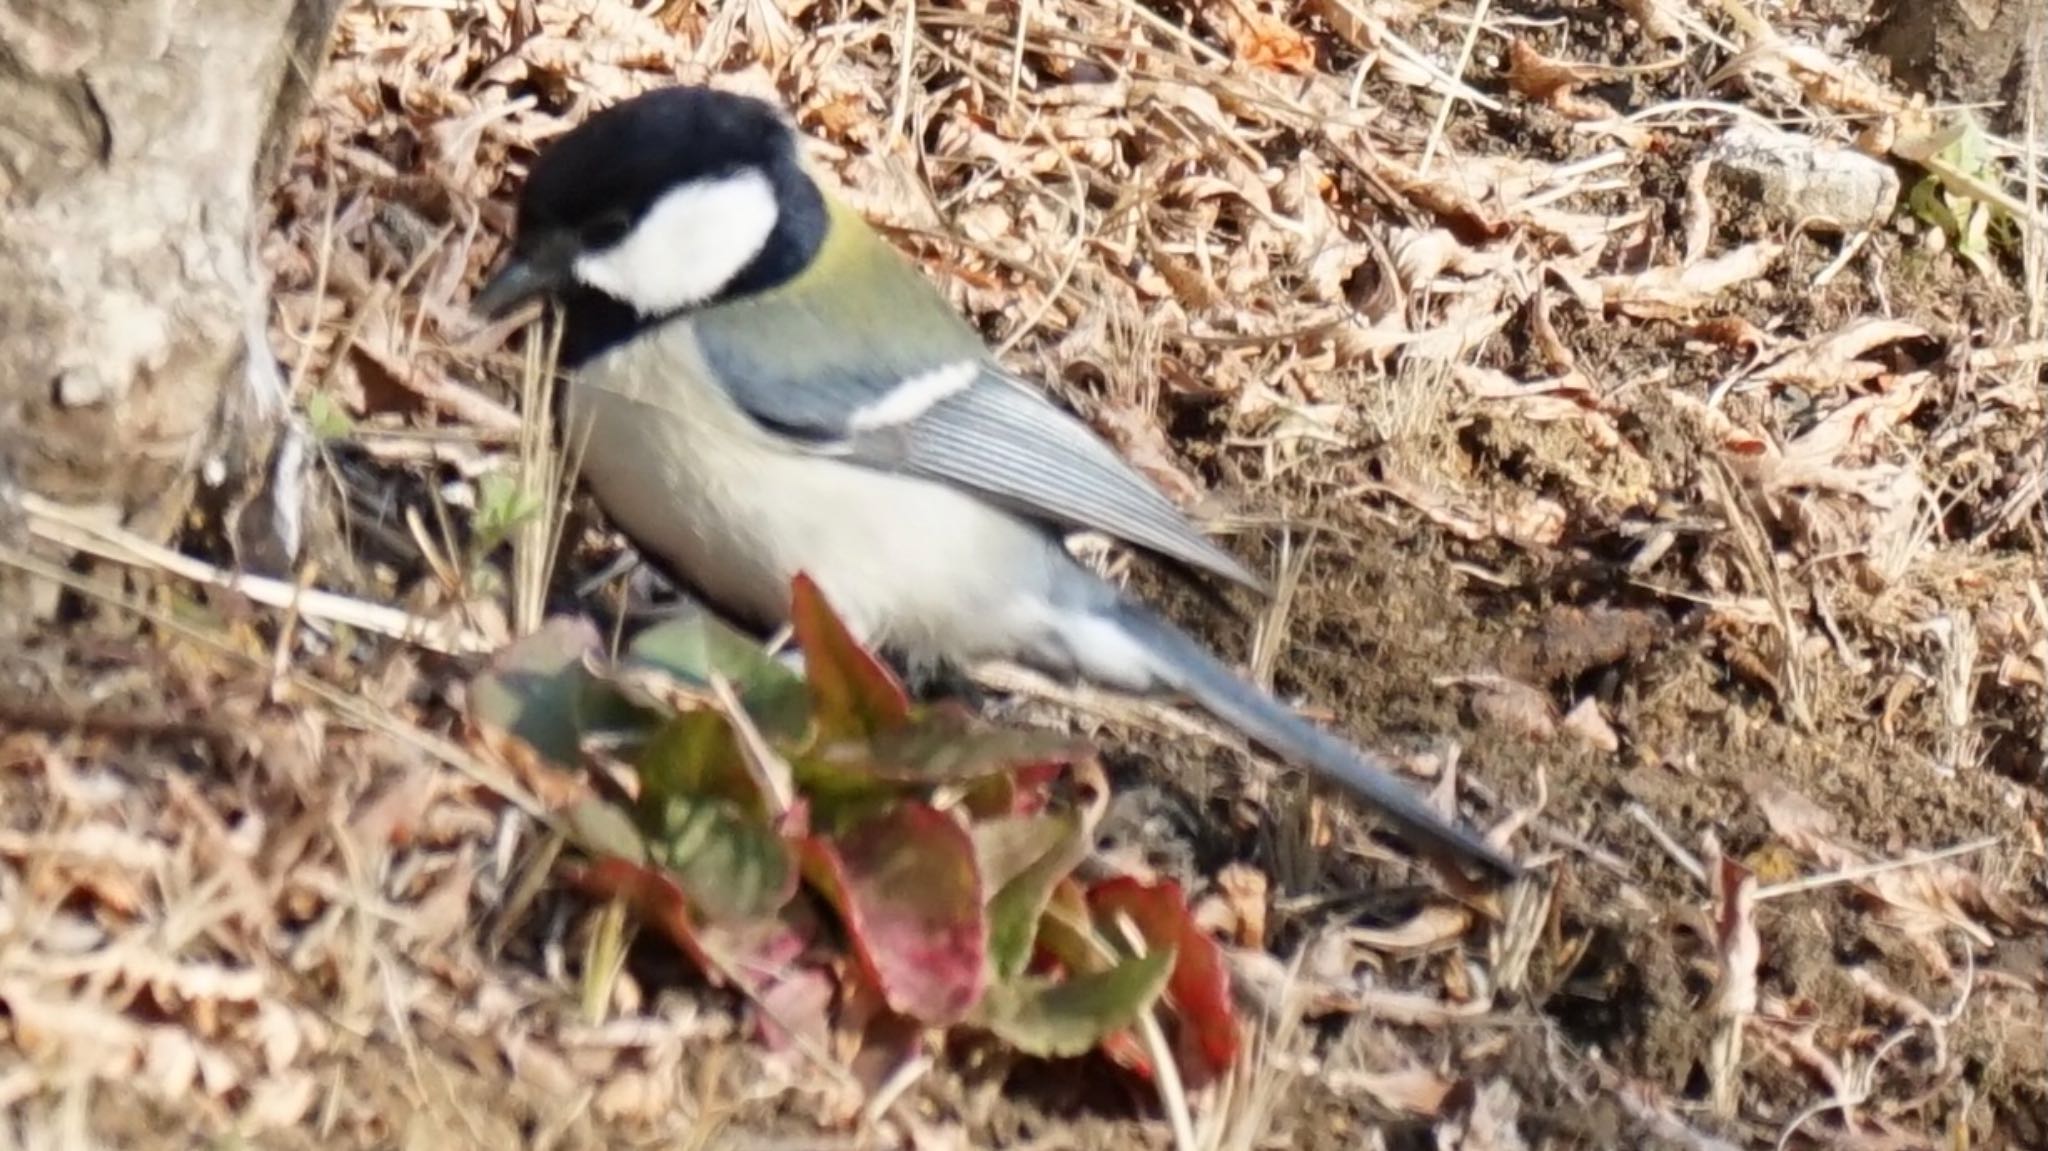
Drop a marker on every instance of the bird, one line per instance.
(758, 384)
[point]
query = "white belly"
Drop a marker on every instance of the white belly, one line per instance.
(913, 564)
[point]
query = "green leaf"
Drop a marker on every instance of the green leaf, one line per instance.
(1059, 1018)
(1024, 791)
(852, 692)
(1067, 932)
(537, 688)
(1930, 206)
(602, 829)
(1966, 149)
(906, 888)
(731, 866)
(941, 745)
(502, 505)
(1005, 771)
(695, 646)
(1024, 858)
(697, 755)
(326, 419)
(1949, 197)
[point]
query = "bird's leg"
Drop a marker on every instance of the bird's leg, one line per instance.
(626, 561)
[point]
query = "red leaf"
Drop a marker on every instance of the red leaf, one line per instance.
(854, 692)
(654, 898)
(1024, 791)
(752, 954)
(1124, 1050)
(1200, 987)
(887, 1042)
(905, 884)
(794, 1004)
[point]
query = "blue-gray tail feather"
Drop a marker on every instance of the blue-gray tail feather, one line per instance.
(1188, 668)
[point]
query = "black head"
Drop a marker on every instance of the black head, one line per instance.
(664, 202)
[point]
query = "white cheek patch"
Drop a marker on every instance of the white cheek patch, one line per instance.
(915, 396)
(688, 246)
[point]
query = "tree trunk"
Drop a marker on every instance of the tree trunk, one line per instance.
(137, 141)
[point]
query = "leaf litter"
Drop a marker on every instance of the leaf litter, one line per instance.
(1613, 494)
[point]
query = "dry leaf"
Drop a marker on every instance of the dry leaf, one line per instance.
(1837, 359)
(1139, 439)
(1514, 707)
(1674, 293)
(1492, 1123)
(279, 1101)
(1736, 939)
(1260, 38)
(1585, 723)
(1434, 926)
(1411, 1091)
(1923, 902)
(1244, 888)
(1555, 82)
(1663, 21)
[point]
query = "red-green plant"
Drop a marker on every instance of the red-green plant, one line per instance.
(821, 840)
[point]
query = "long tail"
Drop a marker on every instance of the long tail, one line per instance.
(1183, 665)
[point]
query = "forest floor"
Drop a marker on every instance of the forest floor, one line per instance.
(1699, 554)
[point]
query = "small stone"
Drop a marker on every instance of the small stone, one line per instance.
(1802, 182)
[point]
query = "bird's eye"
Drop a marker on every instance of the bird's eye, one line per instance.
(607, 230)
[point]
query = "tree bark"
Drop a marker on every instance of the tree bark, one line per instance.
(137, 141)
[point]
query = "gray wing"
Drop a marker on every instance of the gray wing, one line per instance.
(941, 410)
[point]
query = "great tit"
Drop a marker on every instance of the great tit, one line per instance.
(762, 386)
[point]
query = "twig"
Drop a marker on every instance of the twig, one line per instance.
(1173, 1097)
(543, 476)
(1672, 847)
(906, 53)
(351, 705)
(1450, 102)
(1853, 874)
(60, 525)
(899, 1081)
(771, 774)
(54, 717)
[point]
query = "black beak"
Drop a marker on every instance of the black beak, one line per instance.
(537, 268)
(517, 280)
